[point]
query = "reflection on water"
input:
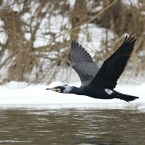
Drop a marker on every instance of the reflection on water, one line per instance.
(72, 127)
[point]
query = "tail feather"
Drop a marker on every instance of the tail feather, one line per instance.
(126, 98)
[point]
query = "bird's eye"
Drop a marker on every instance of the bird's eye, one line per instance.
(58, 90)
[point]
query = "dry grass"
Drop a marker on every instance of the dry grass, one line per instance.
(36, 37)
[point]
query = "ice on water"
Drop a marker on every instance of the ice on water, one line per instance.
(20, 95)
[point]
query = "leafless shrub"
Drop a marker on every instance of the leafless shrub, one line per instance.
(36, 35)
(124, 18)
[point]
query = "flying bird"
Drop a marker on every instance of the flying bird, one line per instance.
(98, 82)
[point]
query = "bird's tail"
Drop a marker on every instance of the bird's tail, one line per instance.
(125, 97)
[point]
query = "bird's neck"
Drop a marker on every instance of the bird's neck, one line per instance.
(75, 90)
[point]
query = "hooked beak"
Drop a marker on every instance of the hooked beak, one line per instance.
(52, 89)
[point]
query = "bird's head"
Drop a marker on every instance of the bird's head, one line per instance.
(61, 89)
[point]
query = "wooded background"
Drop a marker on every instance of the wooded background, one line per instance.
(35, 36)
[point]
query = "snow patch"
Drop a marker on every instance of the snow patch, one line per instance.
(19, 95)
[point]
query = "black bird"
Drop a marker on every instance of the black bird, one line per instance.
(99, 82)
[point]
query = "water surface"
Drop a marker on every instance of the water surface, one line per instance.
(72, 127)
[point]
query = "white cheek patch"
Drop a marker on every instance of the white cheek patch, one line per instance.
(108, 91)
(67, 89)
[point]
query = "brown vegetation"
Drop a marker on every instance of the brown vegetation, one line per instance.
(36, 35)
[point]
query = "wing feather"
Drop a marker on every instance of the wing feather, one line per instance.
(82, 63)
(113, 67)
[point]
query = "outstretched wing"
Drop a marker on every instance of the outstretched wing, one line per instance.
(113, 67)
(83, 64)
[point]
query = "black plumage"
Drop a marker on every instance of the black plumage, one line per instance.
(99, 82)
(113, 67)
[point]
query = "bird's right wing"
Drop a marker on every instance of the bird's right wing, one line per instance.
(83, 64)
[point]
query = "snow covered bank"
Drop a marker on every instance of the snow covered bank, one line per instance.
(19, 95)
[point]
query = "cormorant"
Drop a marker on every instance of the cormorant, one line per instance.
(99, 82)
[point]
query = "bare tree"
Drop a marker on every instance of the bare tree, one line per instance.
(36, 35)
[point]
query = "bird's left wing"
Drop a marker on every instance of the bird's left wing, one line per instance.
(82, 63)
(113, 67)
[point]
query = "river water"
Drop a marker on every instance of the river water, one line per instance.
(72, 127)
